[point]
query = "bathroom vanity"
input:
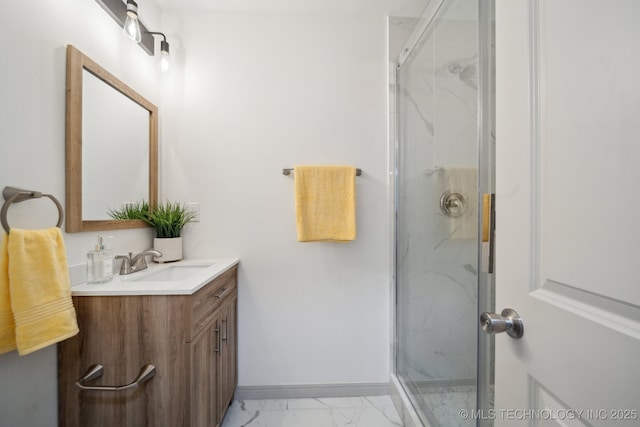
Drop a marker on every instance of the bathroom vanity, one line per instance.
(182, 319)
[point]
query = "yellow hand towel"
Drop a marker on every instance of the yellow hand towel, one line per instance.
(40, 289)
(7, 325)
(325, 203)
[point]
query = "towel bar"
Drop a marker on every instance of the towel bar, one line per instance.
(287, 171)
(17, 195)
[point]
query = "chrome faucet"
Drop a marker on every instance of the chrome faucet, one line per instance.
(133, 263)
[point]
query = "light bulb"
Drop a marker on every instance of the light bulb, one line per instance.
(131, 25)
(164, 56)
(164, 62)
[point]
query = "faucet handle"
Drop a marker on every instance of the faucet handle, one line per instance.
(126, 258)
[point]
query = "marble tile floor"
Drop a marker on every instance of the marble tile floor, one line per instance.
(445, 403)
(366, 411)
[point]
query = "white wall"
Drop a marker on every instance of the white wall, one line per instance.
(251, 94)
(33, 39)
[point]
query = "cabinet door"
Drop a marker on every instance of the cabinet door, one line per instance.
(125, 333)
(204, 350)
(227, 362)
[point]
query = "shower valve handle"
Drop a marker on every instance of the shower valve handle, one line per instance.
(508, 321)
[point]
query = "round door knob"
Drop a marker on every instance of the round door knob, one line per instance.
(508, 321)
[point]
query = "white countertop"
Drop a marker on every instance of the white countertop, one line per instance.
(135, 283)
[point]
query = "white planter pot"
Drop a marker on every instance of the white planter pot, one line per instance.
(171, 249)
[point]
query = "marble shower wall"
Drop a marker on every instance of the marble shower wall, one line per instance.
(437, 91)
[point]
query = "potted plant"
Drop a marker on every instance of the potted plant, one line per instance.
(168, 219)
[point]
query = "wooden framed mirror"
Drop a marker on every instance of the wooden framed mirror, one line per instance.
(111, 147)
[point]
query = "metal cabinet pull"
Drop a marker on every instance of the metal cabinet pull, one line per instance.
(226, 330)
(95, 371)
(219, 340)
(508, 321)
(223, 293)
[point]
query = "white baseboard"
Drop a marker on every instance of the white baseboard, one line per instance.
(260, 392)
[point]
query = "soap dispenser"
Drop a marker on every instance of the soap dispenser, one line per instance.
(99, 263)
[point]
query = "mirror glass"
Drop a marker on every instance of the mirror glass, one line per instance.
(115, 160)
(112, 147)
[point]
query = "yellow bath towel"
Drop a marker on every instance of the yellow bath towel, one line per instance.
(39, 289)
(325, 203)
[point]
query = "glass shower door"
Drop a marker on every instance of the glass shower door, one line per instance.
(439, 178)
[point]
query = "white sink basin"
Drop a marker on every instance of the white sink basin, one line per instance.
(172, 273)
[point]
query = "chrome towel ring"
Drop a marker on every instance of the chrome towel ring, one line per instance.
(17, 195)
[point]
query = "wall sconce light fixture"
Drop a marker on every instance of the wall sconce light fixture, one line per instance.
(131, 25)
(127, 17)
(164, 51)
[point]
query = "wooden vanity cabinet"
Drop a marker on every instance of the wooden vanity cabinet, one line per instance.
(190, 339)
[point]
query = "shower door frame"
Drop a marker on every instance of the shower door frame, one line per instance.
(486, 185)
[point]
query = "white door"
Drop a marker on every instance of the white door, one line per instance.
(568, 211)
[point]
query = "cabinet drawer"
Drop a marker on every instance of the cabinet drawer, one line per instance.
(205, 302)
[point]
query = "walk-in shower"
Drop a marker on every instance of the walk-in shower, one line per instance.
(443, 183)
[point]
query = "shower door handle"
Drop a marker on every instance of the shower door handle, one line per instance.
(508, 321)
